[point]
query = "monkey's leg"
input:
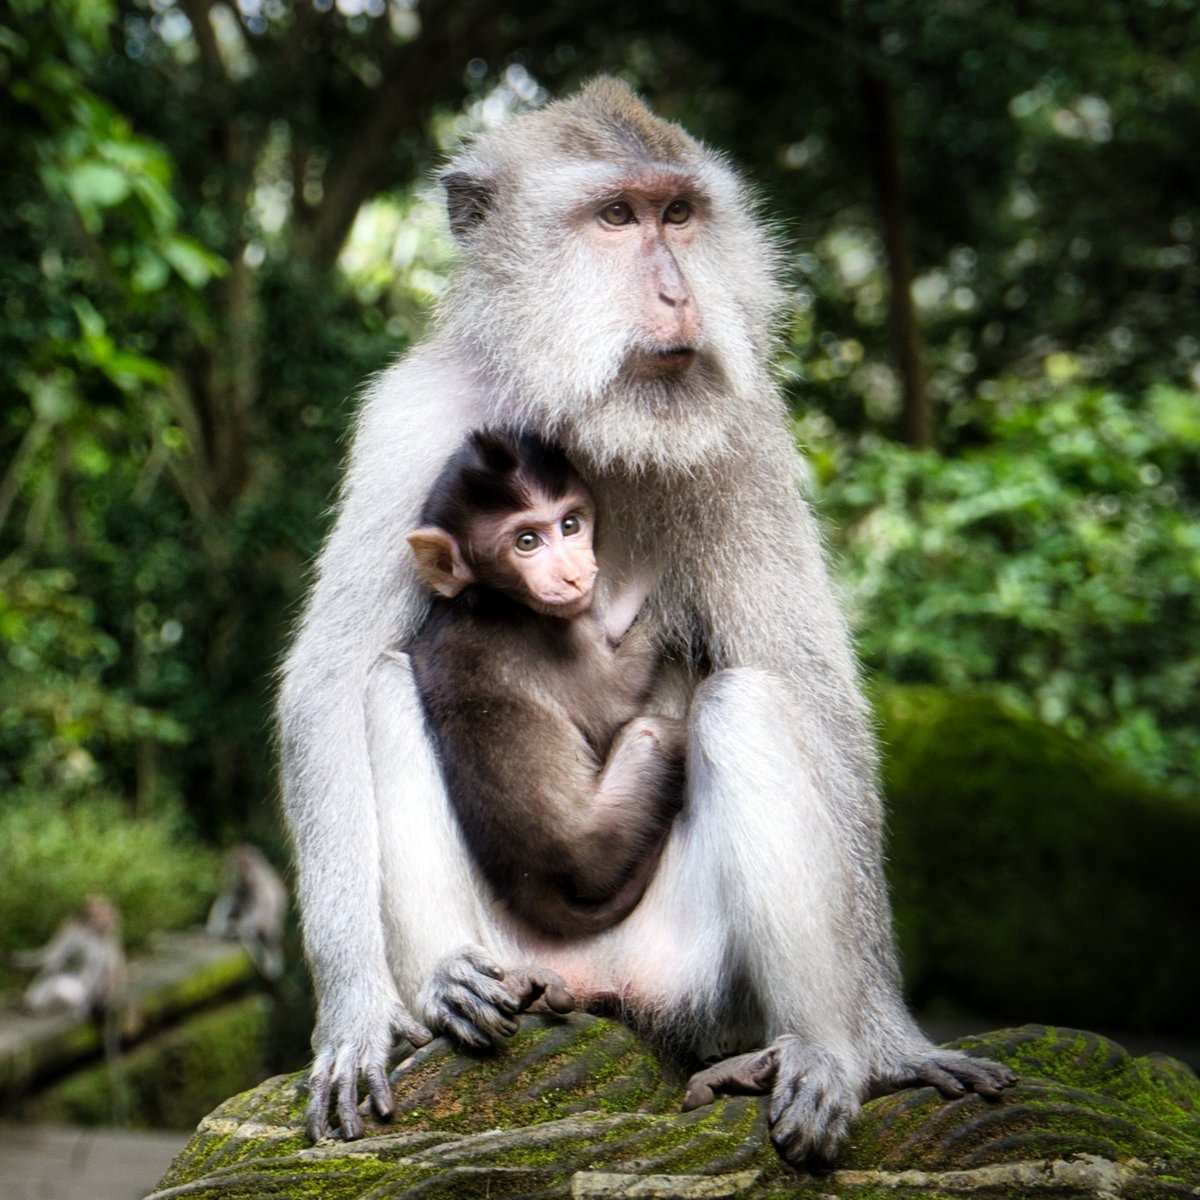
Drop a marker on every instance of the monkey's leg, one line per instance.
(799, 925)
(785, 887)
(639, 790)
(363, 1003)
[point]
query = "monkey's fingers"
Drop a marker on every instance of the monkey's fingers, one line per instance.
(814, 1096)
(347, 1106)
(530, 984)
(477, 959)
(316, 1117)
(954, 1074)
(478, 1028)
(744, 1075)
(380, 1091)
(471, 978)
(412, 1031)
(942, 1080)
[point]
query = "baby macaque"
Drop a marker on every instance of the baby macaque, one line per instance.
(81, 969)
(563, 787)
(252, 908)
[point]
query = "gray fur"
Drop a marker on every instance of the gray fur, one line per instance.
(767, 922)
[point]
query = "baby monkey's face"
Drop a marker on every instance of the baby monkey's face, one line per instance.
(543, 555)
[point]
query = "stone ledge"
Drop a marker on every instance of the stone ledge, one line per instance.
(178, 972)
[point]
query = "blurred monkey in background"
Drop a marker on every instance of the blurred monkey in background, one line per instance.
(615, 294)
(252, 908)
(81, 970)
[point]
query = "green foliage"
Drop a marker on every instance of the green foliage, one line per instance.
(1057, 565)
(1029, 873)
(155, 512)
(55, 708)
(53, 855)
(187, 306)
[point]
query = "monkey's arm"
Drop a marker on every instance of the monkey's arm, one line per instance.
(365, 598)
(639, 791)
(68, 941)
(220, 914)
(636, 658)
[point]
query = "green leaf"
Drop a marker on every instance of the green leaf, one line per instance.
(150, 270)
(97, 184)
(195, 263)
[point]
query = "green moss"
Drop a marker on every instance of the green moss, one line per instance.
(476, 1129)
(211, 979)
(1029, 874)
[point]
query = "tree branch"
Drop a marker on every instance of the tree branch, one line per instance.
(197, 13)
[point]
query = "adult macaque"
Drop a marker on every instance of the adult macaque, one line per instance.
(252, 908)
(615, 294)
(81, 969)
(563, 789)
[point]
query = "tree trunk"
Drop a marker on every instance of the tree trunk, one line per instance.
(883, 148)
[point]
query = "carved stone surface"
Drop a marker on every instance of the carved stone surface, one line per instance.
(581, 1108)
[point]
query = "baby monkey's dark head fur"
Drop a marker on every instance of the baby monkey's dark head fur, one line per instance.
(508, 513)
(494, 471)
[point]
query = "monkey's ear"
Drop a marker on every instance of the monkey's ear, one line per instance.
(439, 560)
(468, 200)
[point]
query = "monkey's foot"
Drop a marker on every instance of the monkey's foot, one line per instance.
(953, 1074)
(360, 1050)
(812, 1097)
(743, 1075)
(474, 1000)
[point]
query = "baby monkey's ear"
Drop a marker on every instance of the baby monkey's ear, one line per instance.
(440, 562)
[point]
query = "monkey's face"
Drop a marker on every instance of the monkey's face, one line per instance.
(542, 555)
(615, 286)
(640, 235)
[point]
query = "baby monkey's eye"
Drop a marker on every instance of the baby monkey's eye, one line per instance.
(526, 542)
(677, 212)
(571, 525)
(619, 212)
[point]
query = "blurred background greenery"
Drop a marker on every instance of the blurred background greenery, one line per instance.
(217, 218)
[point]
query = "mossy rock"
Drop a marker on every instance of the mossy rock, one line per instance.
(1030, 873)
(188, 1036)
(167, 1081)
(581, 1108)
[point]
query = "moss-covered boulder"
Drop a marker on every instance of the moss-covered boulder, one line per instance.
(580, 1107)
(1031, 874)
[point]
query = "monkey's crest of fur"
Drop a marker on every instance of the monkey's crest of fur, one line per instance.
(553, 349)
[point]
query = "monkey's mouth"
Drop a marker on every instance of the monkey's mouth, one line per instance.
(663, 360)
(566, 609)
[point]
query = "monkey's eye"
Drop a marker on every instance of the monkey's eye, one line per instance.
(677, 212)
(526, 542)
(571, 525)
(619, 212)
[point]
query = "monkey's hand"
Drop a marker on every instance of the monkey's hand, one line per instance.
(812, 1099)
(953, 1073)
(348, 1048)
(475, 1001)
